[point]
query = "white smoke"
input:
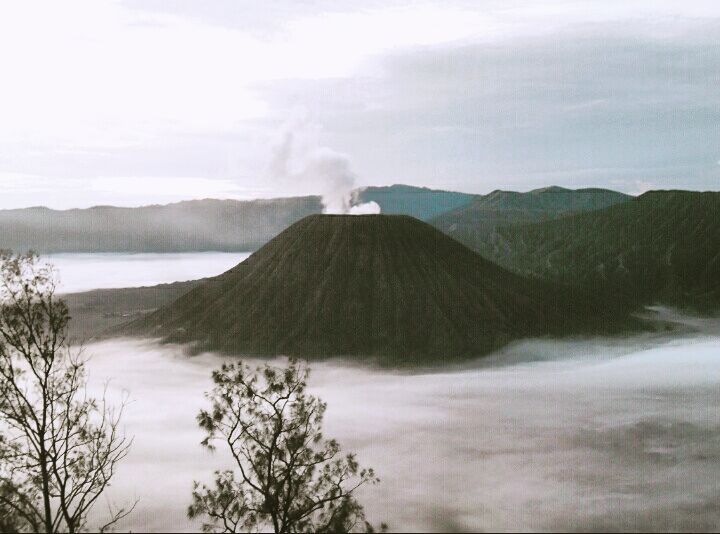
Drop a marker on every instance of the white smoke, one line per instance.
(299, 160)
(334, 179)
(367, 208)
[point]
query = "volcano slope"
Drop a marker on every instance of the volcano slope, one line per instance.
(384, 286)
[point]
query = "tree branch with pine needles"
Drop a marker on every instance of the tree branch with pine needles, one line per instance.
(289, 478)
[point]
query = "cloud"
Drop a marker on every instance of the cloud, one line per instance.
(641, 187)
(24, 190)
(583, 106)
(594, 435)
(89, 73)
(299, 161)
(180, 187)
(99, 73)
(460, 94)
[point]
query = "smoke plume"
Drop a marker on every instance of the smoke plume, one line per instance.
(299, 160)
(366, 208)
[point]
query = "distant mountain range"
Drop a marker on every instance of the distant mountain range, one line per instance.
(387, 286)
(479, 220)
(232, 225)
(198, 225)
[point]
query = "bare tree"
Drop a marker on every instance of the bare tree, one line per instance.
(59, 447)
(290, 478)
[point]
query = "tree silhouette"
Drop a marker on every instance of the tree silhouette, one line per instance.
(289, 479)
(59, 447)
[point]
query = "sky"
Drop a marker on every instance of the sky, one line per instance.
(132, 102)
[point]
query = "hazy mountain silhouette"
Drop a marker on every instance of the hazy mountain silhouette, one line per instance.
(197, 225)
(663, 247)
(380, 285)
(476, 222)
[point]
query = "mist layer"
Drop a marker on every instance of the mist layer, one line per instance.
(572, 435)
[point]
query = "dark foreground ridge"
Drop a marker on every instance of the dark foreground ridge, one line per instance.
(376, 285)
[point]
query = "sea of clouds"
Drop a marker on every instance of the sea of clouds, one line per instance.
(595, 434)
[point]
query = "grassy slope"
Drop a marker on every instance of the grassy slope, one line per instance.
(93, 313)
(663, 247)
(475, 223)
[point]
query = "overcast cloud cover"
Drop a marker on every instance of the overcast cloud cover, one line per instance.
(133, 102)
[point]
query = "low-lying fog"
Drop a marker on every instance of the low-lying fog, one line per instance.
(83, 272)
(570, 435)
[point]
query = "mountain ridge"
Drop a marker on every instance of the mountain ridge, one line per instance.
(188, 226)
(662, 247)
(478, 221)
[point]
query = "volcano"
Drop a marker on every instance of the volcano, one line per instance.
(388, 286)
